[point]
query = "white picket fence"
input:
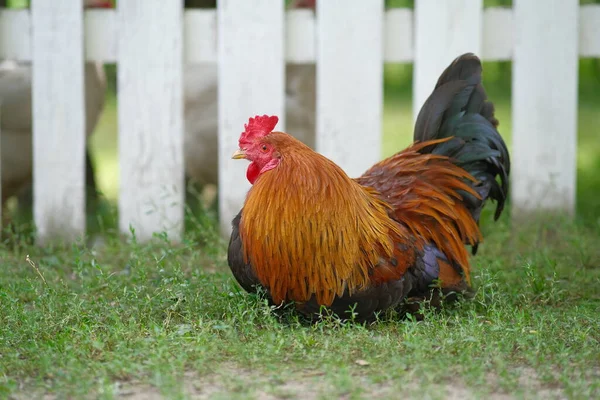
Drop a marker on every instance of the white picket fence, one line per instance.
(349, 40)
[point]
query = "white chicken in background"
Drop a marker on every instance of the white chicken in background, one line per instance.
(16, 129)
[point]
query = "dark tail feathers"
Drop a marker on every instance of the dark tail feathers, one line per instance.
(458, 108)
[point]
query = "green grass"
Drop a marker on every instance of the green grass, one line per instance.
(128, 317)
(124, 319)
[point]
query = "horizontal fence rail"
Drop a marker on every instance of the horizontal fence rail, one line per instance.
(151, 40)
(200, 35)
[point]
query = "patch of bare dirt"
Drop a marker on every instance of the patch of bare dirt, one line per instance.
(230, 382)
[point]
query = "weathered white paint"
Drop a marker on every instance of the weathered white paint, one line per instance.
(443, 30)
(300, 39)
(398, 35)
(544, 105)
(350, 82)
(498, 35)
(101, 35)
(200, 36)
(58, 119)
(251, 82)
(589, 30)
(150, 111)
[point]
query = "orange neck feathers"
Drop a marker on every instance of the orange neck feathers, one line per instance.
(308, 229)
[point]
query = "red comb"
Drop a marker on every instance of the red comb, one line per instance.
(258, 126)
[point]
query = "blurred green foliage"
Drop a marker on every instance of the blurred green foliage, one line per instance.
(14, 3)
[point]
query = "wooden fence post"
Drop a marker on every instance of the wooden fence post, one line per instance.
(350, 82)
(58, 119)
(251, 82)
(443, 31)
(544, 105)
(150, 110)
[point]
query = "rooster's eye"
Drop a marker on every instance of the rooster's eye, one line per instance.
(264, 147)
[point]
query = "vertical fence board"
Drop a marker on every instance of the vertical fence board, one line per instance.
(350, 82)
(443, 31)
(251, 82)
(150, 111)
(544, 105)
(58, 119)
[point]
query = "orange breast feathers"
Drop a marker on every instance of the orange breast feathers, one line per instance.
(308, 229)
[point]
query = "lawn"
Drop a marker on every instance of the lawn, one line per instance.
(147, 319)
(120, 319)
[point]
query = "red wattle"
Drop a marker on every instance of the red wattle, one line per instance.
(252, 172)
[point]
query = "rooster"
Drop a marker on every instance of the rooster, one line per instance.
(310, 235)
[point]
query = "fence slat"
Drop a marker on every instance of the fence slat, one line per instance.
(443, 31)
(200, 35)
(251, 82)
(58, 119)
(150, 111)
(350, 82)
(544, 106)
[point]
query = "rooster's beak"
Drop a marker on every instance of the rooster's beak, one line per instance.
(239, 154)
